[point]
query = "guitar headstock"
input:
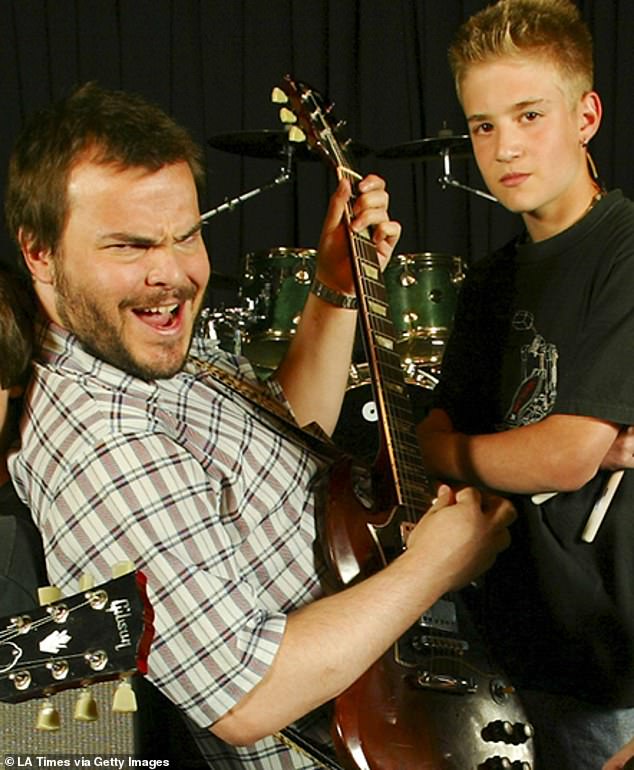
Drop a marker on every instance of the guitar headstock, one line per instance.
(98, 634)
(311, 119)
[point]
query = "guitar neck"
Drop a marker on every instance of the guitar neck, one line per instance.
(400, 460)
(398, 437)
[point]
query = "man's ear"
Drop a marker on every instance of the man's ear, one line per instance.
(590, 112)
(37, 259)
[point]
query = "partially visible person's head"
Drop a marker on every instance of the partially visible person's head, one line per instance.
(16, 345)
(551, 30)
(16, 335)
(108, 127)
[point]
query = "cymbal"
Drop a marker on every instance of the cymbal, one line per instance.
(266, 143)
(458, 146)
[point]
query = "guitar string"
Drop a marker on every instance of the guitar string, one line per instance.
(42, 662)
(14, 632)
(408, 470)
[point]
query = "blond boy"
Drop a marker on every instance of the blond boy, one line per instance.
(538, 381)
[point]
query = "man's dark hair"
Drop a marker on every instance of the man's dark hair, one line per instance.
(104, 126)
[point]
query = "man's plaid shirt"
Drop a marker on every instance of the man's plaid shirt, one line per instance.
(182, 478)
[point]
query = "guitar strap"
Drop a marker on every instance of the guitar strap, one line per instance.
(295, 741)
(276, 415)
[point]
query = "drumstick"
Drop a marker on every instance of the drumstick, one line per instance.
(600, 508)
(597, 514)
(542, 497)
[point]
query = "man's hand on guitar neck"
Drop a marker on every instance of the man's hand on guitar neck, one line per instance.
(466, 518)
(314, 372)
(370, 211)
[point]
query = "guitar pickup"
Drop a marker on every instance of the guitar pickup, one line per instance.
(441, 616)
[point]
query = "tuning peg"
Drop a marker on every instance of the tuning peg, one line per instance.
(296, 134)
(278, 96)
(48, 717)
(48, 594)
(122, 568)
(287, 116)
(124, 700)
(86, 582)
(86, 707)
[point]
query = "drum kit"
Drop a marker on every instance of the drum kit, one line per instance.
(422, 289)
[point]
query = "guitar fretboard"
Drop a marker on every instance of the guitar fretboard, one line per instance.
(412, 487)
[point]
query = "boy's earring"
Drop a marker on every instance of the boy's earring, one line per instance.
(594, 171)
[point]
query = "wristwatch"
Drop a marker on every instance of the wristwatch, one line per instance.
(336, 298)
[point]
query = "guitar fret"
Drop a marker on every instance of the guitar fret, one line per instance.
(370, 271)
(383, 326)
(375, 289)
(384, 342)
(364, 241)
(406, 435)
(377, 308)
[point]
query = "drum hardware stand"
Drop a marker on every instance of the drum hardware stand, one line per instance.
(442, 145)
(284, 176)
(448, 180)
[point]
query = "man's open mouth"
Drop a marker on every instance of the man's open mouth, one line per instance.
(161, 316)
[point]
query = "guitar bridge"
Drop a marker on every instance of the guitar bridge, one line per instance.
(439, 644)
(414, 648)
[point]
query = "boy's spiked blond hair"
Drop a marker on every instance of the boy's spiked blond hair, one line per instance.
(550, 29)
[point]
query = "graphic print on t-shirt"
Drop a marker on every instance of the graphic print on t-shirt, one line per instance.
(537, 391)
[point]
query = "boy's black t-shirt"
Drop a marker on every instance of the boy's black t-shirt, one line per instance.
(542, 329)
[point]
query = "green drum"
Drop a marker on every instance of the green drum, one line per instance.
(275, 289)
(423, 291)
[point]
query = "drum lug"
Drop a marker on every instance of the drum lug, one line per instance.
(303, 275)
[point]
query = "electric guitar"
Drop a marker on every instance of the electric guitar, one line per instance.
(99, 634)
(434, 701)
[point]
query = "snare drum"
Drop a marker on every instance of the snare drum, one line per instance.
(357, 431)
(423, 291)
(274, 292)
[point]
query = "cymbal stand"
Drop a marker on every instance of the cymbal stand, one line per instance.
(284, 176)
(448, 180)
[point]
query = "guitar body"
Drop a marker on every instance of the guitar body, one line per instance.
(434, 701)
(346, 528)
(385, 722)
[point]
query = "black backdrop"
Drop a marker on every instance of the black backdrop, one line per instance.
(212, 64)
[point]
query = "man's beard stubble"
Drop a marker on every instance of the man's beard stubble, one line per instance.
(98, 335)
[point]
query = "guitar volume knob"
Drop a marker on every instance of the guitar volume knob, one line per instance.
(522, 731)
(496, 763)
(507, 732)
(499, 730)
